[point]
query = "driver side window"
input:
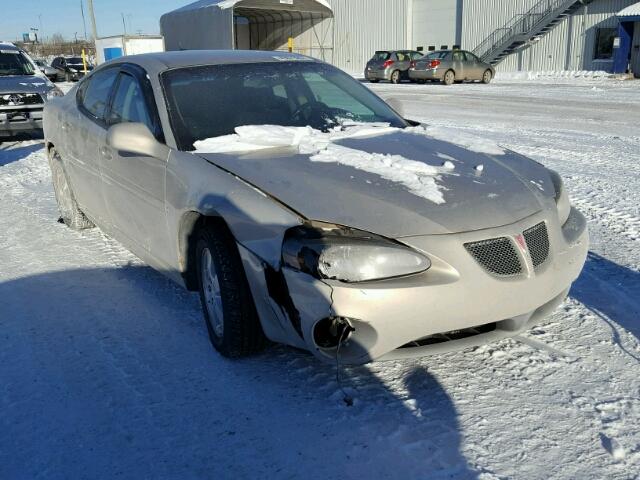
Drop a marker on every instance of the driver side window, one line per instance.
(129, 104)
(332, 96)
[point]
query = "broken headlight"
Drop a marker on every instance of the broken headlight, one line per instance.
(562, 197)
(348, 255)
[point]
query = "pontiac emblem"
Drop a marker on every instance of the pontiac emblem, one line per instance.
(521, 242)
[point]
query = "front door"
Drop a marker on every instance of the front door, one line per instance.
(474, 68)
(85, 132)
(134, 185)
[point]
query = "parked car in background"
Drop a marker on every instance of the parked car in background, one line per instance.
(48, 70)
(70, 69)
(449, 66)
(305, 210)
(23, 92)
(392, 66)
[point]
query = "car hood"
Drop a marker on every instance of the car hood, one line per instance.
(481, 191)
(24, 84)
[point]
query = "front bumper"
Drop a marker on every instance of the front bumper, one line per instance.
(431, 74)
(393, 318)
(12, 122)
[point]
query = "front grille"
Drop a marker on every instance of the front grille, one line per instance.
(537, 239)
(497, 255)
(20, 99)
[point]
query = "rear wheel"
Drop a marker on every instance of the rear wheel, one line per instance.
(230, 314)
(70, 212)
(487, 76)
(449, 77)
(396, 77)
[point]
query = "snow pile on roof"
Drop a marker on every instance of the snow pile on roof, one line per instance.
(418, 177)
(630, 11)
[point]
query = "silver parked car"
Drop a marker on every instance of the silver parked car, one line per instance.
(50, 72)
(306, 211)
(23, 92)
(392, 66)
(449, 66)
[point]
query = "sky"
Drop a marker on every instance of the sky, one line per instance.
(64, 16)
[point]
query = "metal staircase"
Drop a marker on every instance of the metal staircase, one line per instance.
(525, 28)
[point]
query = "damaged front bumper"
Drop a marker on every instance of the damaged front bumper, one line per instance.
(455, 304)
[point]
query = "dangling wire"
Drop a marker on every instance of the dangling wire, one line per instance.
(347, 399)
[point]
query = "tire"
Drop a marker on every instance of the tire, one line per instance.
(487, 76)
(228, 307)
(449, 77)
(396, 77)
(70, 212)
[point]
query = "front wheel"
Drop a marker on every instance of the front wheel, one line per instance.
(230, 314)
(449, 77)
(70, 212)
(487, 77)
(396, 77)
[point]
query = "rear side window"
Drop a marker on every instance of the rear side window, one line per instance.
(129, 104)
(96, 93)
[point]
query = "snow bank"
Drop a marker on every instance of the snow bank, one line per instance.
(575, 75)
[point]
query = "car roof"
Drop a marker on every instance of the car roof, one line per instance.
(161, 61)
(8, 46)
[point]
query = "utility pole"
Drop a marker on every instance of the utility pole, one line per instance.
(84, 22)
(92, 16)
(124, 24)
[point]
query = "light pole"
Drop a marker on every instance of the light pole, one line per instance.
(92, 15)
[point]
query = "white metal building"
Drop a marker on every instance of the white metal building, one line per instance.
(513, 34)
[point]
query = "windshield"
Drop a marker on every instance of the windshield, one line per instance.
(381, 56)
(12, 62)
(74, 61)
(211, 101)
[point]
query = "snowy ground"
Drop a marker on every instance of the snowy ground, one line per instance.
(106, 370)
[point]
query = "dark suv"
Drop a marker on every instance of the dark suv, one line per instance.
(70, 69)
(23, 92)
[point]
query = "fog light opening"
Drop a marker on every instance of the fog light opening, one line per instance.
(331, 332)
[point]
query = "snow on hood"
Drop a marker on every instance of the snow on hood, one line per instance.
(417, 177)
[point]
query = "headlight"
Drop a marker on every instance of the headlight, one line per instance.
(73, 70)
(338, 253)
(54, 92)
(562, 197)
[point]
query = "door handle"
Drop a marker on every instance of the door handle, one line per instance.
(105, 152)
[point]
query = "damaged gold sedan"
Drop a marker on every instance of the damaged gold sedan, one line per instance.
(306, 211)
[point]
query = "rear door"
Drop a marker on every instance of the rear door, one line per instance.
(85, 132)
(134, 185)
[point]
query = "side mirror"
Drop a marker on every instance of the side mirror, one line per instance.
(136, 138)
